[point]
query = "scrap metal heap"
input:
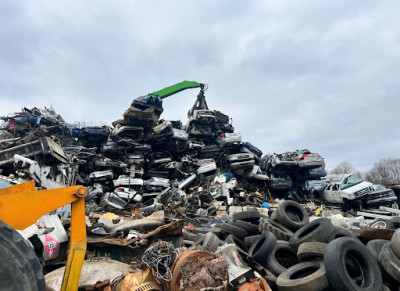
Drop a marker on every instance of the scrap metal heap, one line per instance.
(198, 186)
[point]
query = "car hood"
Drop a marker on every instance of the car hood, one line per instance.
(357, 187)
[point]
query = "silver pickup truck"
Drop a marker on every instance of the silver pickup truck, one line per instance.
(351, 191)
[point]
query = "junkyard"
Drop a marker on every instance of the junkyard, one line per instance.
(154, 204)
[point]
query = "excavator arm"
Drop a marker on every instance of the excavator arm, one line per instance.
(21, 206)
(171, 90)
(154, 100)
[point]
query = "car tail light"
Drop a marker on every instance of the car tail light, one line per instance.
(303, 156)
(271, 181)
(222, 135)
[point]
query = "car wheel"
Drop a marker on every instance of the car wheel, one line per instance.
(383, 224)
(367, 276)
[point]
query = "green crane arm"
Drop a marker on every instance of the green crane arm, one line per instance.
(171, 90)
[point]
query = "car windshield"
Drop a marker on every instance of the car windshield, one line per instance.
(350, 181)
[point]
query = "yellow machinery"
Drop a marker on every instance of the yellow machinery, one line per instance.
(21, 206)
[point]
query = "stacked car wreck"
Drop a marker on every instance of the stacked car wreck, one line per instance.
(192, 206)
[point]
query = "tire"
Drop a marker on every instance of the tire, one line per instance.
(231, 229)
(382, 224)
(249, 240)
(251, 228)
(21, 269)
(231, 239)
(341, 232)
(390, 262)
(250, 216)
(216, 231)
(318, 230)
(396, 221)
(375, 246)
(309, 251)
(262, 248)
(282, 257)
(209, 242)
(292, 215)
(396, 242)
(281, 232)
(340, 278)
(306, 276)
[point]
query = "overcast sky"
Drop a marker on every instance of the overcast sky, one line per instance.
(322, 75)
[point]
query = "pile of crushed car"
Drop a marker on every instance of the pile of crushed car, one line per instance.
(174, 206)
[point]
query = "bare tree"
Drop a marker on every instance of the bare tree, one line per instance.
(386, 171)
(343, 168)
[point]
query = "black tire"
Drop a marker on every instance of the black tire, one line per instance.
(396, 242)
(262, 248)
(383, 224)
(339, 276)
(375, 246)
(309, 251)
(251, 228)
(390, 262)
(231, 239)
(318, 230)
(396, 221)
(249, 240)
(282, 257)
(341, 232)
(209, 242)
(281, 232)
(306, 276)
(291, 215)
(20, 268)
(214, 230)
(231, 229)
(250, 216)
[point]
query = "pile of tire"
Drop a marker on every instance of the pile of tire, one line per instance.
(294, 254)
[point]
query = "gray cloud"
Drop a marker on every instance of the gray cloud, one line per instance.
(309, 74)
